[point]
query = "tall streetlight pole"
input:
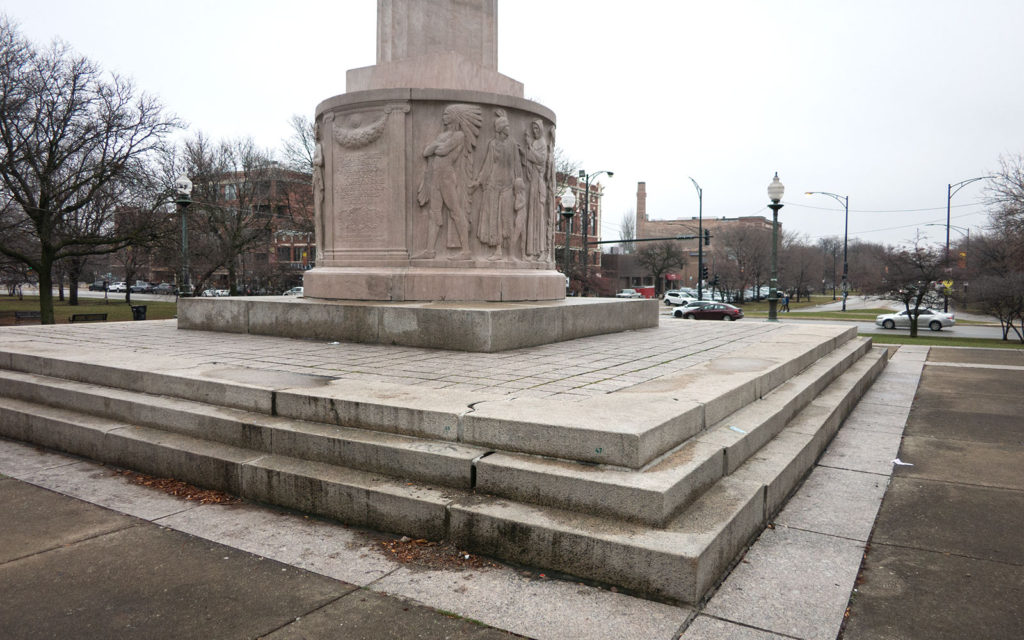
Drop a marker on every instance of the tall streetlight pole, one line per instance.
(567, 209)
(950, 192)
(967, 233)
(587, 177)
(183, 198)
(775, 191)
(845, 201)
(700, 240)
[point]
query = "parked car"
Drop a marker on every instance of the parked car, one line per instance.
(164, 289)
(677, 297)
(99, 285)
(930, 318)
(294, 291)
(625, 293)
(714, 311)
(679, 312)
(141, 286)
(208, 293)
(118, 287)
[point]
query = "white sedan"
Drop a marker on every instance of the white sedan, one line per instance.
(930, 318)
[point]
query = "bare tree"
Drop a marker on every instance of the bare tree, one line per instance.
(627, 230)
(661, 257)
(799, 264)
(74, 144)
(298, 148)
(911, 276)
(231, 205)
(1006, 195)
(749, 247)
(566, 171)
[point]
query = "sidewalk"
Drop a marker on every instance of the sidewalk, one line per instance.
(84, 554)
(946, 558)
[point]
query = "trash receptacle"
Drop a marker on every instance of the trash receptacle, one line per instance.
(139, 312)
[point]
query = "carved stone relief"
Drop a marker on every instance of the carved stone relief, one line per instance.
(501, 210)
(444, 186)
(360, 192)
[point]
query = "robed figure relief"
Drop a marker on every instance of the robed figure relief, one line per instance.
(538, 166)
(318, 186)
(499, 192)
(446, 179)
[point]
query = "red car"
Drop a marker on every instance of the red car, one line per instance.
(716, 311)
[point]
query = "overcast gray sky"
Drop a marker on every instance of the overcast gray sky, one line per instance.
(885, 101)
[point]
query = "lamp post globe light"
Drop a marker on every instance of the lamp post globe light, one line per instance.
(845, 201)
(587, 178)
(567, 209)
(775, 191)
(183, 198)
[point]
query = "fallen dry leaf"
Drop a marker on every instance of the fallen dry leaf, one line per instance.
(179, 488)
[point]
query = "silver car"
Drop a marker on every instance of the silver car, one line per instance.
(930, 318)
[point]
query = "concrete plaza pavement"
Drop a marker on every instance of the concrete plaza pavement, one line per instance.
(86, 554)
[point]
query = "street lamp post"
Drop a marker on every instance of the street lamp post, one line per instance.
(845, 201)
(950, 192)
(587, 178)
(775, 191)
(967, 233)
(700, 240)
(566, 208)
(183, 198)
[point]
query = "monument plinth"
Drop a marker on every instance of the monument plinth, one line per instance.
(433, 185)
(435, 178)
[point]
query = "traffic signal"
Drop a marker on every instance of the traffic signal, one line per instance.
(707, 238)
(704, 273)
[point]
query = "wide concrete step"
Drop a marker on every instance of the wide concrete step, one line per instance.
(629, 428)
(349, 495)
(656, 492)
(654, 488)
(431, 461)
(683, 559)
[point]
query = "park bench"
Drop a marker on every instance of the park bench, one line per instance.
(88, 317)
(24, 316)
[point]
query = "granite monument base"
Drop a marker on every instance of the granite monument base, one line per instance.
(459, 326)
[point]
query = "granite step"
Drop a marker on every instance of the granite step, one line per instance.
(682, 560)
(438, 462)
(724, 443)
(629, 428)
(656, 492)
(349, 495)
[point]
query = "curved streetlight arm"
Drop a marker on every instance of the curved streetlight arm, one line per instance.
(963, 230)
(963, 183)
(845, 201)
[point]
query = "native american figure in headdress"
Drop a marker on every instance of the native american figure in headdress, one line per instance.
(446, 178)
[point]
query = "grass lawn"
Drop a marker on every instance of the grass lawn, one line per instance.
(927, 341)
(116, 308)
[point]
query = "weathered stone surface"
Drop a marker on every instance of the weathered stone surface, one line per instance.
(466, 326)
